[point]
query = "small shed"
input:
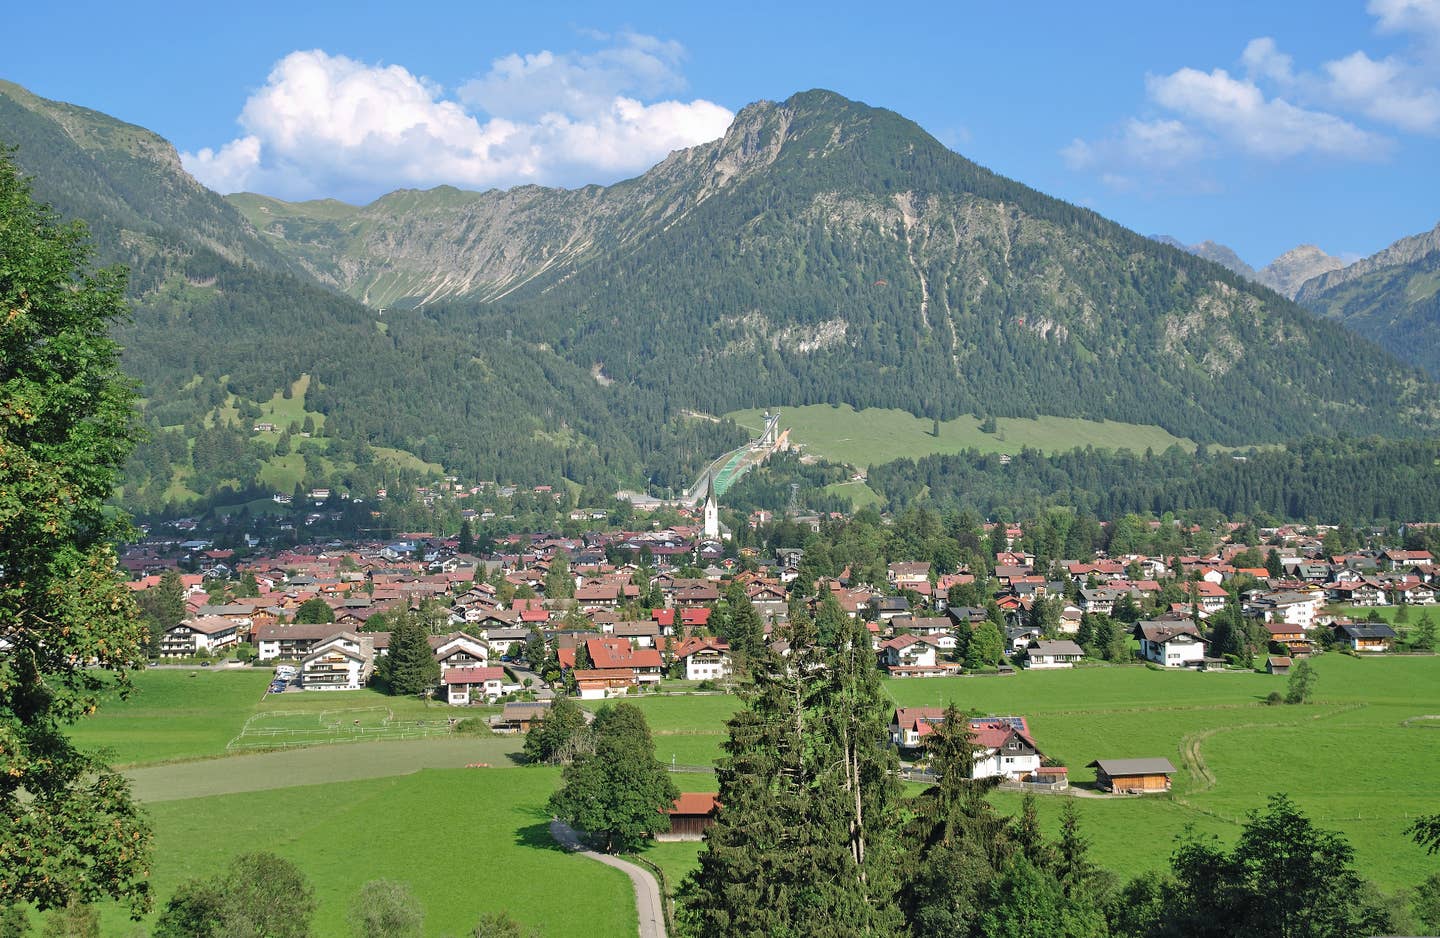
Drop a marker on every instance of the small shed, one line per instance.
(1133, 776)
(1277, 664)
(692, 813)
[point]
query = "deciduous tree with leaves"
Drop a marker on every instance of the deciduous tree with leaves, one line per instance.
(69, 830)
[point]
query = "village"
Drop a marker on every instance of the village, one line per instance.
(617, 613)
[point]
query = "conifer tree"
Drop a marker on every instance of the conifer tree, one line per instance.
(409, 668)
(805, 840)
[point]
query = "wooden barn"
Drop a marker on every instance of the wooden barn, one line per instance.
(1133, 776)
(692, 813)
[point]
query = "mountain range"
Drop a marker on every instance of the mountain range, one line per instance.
(1285, 275)
(822, 251)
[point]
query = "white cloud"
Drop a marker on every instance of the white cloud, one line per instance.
(1239, 111)
(1159, 144)
(524, 87)
(1384, 90)
(1407, 16)
(1263, 58)
(330, 125)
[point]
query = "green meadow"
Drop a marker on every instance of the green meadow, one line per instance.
(875, 435)
(466, 842)
(1360, 759)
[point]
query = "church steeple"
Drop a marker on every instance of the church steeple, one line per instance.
(711, 509)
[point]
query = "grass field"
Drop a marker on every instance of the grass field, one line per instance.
(466, 841)
(1350, 759)
(873, 436)
(176, 714)
(1361, 760)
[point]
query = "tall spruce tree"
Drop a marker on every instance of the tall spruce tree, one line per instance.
(409, 668)
(805, 841)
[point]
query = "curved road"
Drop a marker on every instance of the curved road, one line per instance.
(647, 892)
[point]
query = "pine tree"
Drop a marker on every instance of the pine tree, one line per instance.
(410, 668)
(804, 842)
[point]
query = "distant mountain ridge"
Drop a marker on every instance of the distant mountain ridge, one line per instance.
(822, 251)
(1285, 274)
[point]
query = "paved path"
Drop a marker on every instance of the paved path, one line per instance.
(647, 892)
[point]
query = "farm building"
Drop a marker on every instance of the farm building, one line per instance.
(692, 813)
(518, 717)
(1277, 664)
(1133, 775)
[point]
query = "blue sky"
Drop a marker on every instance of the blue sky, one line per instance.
(1260, 125)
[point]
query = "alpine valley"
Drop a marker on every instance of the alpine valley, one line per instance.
(821, 252)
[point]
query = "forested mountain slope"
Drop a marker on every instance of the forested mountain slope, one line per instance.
(832, 252)
(1391, 298)
(821, 252)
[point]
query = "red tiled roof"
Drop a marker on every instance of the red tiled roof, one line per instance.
(695, 802)
(473, 675)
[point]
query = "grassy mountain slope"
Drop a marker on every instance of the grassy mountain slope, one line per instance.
(223, 322)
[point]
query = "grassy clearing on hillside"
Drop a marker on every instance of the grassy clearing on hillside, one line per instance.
(466, 841)
(875, 435)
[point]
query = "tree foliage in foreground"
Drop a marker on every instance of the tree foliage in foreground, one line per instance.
(384, 908)
(559, 736)
(260, 895)
(69, 830)
(618, 792)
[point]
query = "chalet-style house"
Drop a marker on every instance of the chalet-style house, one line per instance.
(472, 685)
(1176, 644)
(706, 659)
(913, 656)
(459, 650)
(1366, 636)
(344, 661)
(1006, 748)
(204, 634)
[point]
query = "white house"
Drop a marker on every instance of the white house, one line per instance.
(202, 634)
(1007, 751)
(1005, 747)
(458, 650)
(344, 661)
(1291, 608)
(1173, 644)
(908, 651)
(1041, 653)
(467, 685)
(706, 659)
